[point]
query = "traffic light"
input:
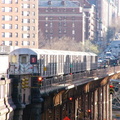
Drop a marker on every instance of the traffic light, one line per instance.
(40, 79)
(25, 83)
(111, 89)
(89, 111)
(70, 98)
(36, 81)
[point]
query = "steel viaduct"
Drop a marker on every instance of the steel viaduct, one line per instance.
(79, 96)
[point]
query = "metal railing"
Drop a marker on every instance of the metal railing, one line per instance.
(61, 82)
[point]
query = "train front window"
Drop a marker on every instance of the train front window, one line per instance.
(13, 59)
(23, 59)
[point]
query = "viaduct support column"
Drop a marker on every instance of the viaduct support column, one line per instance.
(95, 106)
(35, 111)
(104, 101)
(17, 98)
(99, 103)
(108, 104)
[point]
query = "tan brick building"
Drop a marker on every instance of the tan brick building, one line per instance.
(19, 23)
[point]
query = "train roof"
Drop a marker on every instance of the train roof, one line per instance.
(48, 51)
(23, 51)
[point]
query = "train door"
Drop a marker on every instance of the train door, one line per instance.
(23, 63)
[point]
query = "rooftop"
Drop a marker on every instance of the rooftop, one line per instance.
(59, 4)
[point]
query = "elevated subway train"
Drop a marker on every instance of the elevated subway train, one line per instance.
(48, 63)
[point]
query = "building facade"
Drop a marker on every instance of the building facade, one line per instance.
(19, 23)
(74, 19)
(107, 13)
(91, 24)
(62, 19)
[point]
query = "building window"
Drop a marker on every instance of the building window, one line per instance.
(25, 35)
(10, 42)
(73, 32)
(16, 1)
(73, 25)
(46, 31)
(33, 6)
(25, 28)
(6, 18)
(51, 31)
(3, 17)
(46, 18)
(7, 34)
(7, 1)
(28, 28)
(33, 28)
(3, 9)
(3, 1)
(28, 35)
(51, 24)
(51, 37)
(10, 34)
(25, 13)
(16, 43)
(10, 18)
(22, 42)
(3, 26)
(16, 18)
(64, 31)
(46, 24)
(3, 34)
(10, 26)
(60, 18)
(33, 35)
(33, 20)
(33, 42)
(10, 9)
(16, 9)
(3, 42)
(25, 5)
(33, 13)
(16, 34)
(64, 24)
(25, 20)
(28, 42)
(60, 31)
(16, 26)
(7, 26)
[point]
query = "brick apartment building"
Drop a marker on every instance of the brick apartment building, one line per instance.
(61, 18)
(67, 18)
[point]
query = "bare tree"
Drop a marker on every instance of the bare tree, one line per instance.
(41, 39)
(65, 43)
